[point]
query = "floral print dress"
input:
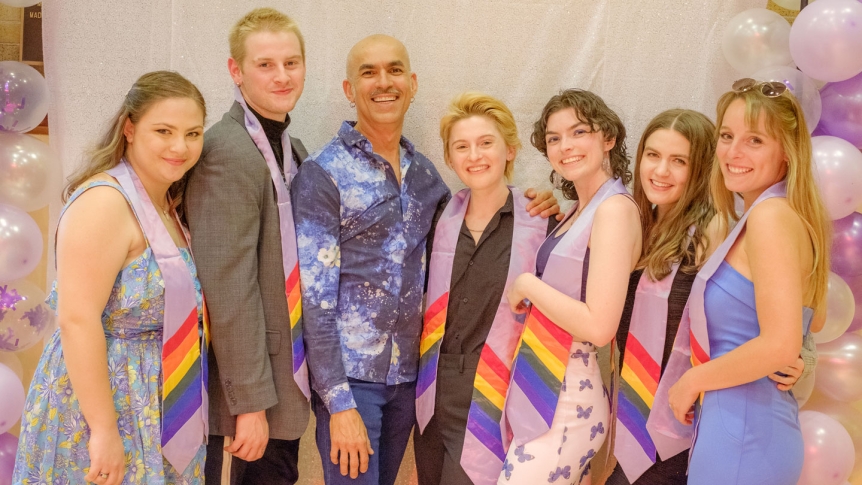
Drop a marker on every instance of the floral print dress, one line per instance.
(52, 448)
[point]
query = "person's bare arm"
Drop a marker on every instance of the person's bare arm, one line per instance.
(774, 242)
(614, 250)
(93, 243)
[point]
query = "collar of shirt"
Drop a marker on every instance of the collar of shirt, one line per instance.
(273, 128)
(351, 137)
(507, 208)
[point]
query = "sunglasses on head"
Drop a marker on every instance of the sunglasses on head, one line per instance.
(770, 89)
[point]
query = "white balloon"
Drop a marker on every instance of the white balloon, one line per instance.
(802, 87)
(29, 173)
(20, 243)
(11, 398)
(756, 39)
(11, 361)
(840, 308)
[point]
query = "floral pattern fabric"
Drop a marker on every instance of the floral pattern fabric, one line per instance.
(361, 238)
(52, 448)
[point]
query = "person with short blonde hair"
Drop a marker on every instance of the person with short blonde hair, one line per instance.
(239, 214)
(482, 241)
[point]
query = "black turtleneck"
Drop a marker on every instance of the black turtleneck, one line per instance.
(274, 129)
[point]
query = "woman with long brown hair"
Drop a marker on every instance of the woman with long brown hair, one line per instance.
(119, 395)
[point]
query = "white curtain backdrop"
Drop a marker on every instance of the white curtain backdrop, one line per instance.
(641, 56)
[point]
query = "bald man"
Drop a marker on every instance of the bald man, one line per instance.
(364, 205)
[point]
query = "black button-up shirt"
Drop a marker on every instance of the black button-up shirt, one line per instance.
(478, 279)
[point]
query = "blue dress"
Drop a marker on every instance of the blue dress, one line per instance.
(748, 434)
(52, 448)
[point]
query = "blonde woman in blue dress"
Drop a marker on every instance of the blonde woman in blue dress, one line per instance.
(95, 411)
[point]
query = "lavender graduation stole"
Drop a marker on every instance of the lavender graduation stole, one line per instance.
(289, 256)
(691, 346)
(634, 447)
(543, 351)
(185, 403)
(485, 444)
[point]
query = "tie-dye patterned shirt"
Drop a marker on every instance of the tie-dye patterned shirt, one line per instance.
(362, 240)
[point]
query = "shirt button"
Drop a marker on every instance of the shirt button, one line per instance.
(464, 300)
(471, 263)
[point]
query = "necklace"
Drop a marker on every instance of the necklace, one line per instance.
(164, 211)
(475, 230)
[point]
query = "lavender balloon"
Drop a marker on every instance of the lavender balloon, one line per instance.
(11, 398)
(847, 245)
(839, 368)
(849, 417)
(29, 173)
(801, 86)
(838, 168)
(755, 39)
(20, 243)
(24, 316)
(842, 110)
(829, 452)
(826, 39)
(23, 97)
(855, 283)
(840, 308)
(8, 449)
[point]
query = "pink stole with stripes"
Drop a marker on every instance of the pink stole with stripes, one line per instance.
(634, 445)
(289, 255)
(485, 441)
(691, 346)
(543, 351)
(185, 403)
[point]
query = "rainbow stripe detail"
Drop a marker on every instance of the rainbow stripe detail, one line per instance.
(540, 366)
(181, 368)
(639, 379)
(429, 345)
(489, 396)
(294, 308)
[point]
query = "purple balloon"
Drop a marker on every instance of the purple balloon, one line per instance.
(847, 245)
(826, 39)
(855, 284)
(829, 451)
(8, 449)
(842, 110)
(838, 169)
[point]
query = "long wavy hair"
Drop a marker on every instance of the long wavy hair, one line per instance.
(666, 241)
(785, 122)
(592, 110)
(147, 90)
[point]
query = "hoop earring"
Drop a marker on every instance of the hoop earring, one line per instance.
(352, 105)
(557, 180)
(606, 164)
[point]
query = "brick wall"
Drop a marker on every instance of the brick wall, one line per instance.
(10, 33)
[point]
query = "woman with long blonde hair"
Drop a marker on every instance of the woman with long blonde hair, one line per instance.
(757, 293)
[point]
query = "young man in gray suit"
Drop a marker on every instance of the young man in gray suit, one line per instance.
(242, 233)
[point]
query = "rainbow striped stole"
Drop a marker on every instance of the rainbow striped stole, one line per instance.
(486, 439)
(437, 303)
(691, 346)
(289, 255)
(543, 351)
(640, 374)
(184, 386)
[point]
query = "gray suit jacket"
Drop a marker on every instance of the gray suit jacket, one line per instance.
(230, 205)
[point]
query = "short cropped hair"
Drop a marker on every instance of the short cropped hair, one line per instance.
(473, 103)
(261, 20)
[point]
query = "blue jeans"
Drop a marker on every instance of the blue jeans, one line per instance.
(389, 413)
